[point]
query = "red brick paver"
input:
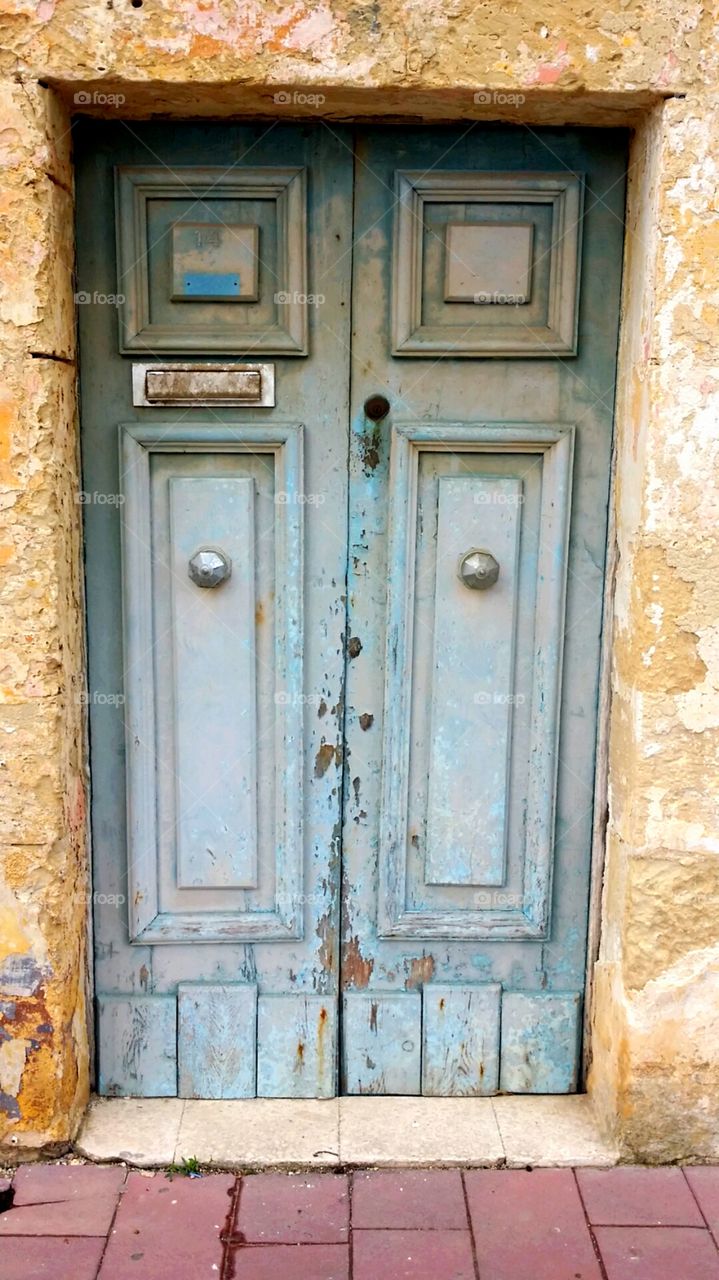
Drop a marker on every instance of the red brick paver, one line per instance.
(530, 1226)
(290, 1262)
(294, 1209)
(54, 1258)
(658, 1253)
(412, 1255)
(62, 1200)
(704, 1182)
(83, 1222)
(167, 1229)
(638, 1197)
(421, 1198)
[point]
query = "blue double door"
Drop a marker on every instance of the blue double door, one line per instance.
(347, 410)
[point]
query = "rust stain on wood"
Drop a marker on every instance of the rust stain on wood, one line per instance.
(370, 448)
(326, 953)
(421, 970)
(356, 970)
(324, 758)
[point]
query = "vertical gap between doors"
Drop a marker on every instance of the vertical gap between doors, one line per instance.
(341, 1084)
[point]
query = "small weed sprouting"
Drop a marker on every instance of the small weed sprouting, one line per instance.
(188, 1168)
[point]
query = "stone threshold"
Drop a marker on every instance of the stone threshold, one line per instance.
(268, 1133)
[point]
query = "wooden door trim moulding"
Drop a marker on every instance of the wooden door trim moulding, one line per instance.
(147, 922)
(555, 441)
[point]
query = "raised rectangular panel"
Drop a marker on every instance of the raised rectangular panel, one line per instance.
(296, 1046)
(216, 1040)
(460, 1039)
(212, 261)
(138, 1046)
(540, 1042)
(203, 863)
(465, 237)
(466, 892)
(488, 263)
(213, 639)
(471, 718)
(205, 287)
(382, 1037)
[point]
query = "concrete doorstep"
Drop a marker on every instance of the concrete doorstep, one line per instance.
(267, 1133)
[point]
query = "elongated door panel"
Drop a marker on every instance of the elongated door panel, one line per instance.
(216, 556)
(486, 289)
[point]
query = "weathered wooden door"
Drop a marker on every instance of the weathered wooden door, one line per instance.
(312, 741)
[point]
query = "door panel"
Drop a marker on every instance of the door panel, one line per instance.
(205, 861)
(486, 312)
(215, 830)
(464, 807)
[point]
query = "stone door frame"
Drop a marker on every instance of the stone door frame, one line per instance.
(635, 1083)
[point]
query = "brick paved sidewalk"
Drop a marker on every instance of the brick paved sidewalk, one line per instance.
(79, 1222)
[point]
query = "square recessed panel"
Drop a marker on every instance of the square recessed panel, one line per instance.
(212, 262)
(510, 240)
(488, 263)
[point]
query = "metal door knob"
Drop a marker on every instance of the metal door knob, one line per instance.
(376, 408)
(209, 567)
(478, 569)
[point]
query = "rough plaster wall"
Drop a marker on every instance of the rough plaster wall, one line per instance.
(43, 891)
(656, 1060)
(413, 43)
(656, 1016)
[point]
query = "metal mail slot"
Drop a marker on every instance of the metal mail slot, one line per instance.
(203, 384)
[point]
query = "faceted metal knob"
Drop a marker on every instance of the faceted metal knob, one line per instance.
(209, 567)
(478, 569)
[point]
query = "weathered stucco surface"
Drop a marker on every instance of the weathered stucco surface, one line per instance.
(655, 1069)
(656, 1011)
(43, 880)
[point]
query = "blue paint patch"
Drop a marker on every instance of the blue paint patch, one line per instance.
(9, 1106)
(20, 975)
(208, 284)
